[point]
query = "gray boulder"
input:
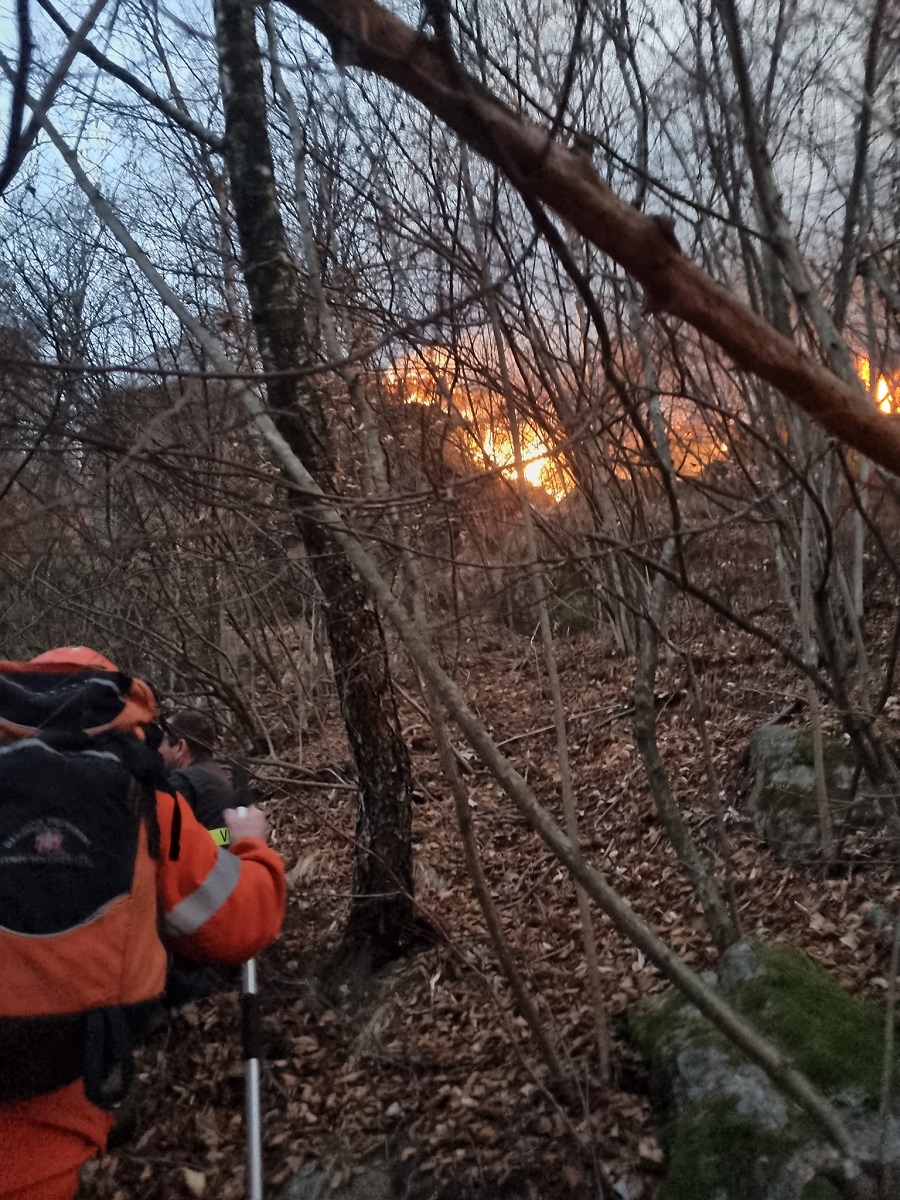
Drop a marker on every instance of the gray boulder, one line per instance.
(729, 1133)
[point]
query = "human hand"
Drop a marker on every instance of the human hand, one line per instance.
(246, 822)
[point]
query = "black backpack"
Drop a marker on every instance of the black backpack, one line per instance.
(80, 954)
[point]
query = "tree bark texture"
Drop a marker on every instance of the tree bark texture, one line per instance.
(381, 925)
(369, 36)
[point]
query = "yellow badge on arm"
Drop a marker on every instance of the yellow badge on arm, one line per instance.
(222, 837)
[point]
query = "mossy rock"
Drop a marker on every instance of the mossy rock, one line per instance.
(831, 1036)
(730, 1134)
(731, 1148)
(783, 802)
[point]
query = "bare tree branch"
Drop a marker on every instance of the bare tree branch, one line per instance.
(15, 142)
(54, 83)
(849, 248)
(174, 114)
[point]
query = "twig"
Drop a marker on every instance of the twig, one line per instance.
(341, 784)
(616, 716)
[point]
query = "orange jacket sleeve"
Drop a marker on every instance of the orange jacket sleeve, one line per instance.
(218, 905)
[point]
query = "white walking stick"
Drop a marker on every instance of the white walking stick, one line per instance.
(251, 1022)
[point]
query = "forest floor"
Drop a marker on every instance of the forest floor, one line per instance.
(433, 1072)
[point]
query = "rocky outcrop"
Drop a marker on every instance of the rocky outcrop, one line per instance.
(729, 1133)
(783, 802)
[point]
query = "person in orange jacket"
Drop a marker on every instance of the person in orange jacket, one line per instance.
(215, 905)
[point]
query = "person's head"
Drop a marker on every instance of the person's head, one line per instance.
(190, 737)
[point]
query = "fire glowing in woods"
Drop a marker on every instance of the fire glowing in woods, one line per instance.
(483, 434)
(540, 468)
(886, 396)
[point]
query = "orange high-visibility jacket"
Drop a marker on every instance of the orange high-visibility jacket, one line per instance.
(216, 905)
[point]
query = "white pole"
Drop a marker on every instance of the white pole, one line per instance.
(252, 1039)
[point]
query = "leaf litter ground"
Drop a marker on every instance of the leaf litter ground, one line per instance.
(429, 1072)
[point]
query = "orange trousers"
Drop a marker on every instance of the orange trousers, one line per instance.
(43, 1143)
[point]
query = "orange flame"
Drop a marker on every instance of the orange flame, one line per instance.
(540, 465)
(423, 382)
(886, 396)
(416, 381)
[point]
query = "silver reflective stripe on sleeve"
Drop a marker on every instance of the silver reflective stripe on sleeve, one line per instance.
(205, 901)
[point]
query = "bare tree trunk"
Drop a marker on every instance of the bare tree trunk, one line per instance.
(715, 798)
(887, 1070)
(859, 523)
(374, 476)
(853, 230)
(859, 543)
(717, 919)
(381, 924)
(771, 207)
(723, 929)
(809, 653)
